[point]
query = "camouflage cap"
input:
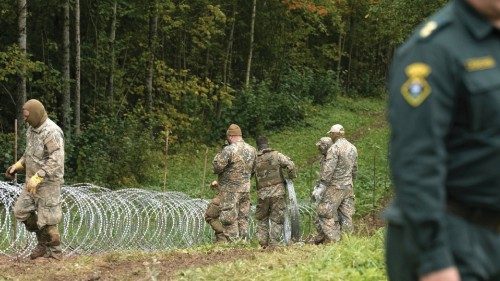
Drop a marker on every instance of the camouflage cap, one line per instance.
(323, 144)
(234, 130)
(37, 115)
(337, 128)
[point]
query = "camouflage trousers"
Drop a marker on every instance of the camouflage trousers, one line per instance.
(212, 215)
(270, 215)
(235, 207)
(43, 208)
(335, 210)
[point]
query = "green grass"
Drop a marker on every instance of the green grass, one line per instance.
(354, 258)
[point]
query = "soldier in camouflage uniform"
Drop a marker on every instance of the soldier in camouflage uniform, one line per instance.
(270, 214)
(38, 206)
(234, 166)
(334, 191)
(212, 215)
(323, 145)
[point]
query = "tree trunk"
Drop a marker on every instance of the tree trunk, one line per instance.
(66, 70)
(339, 64)
(252, 28)
(229, 47)
(21, 24)
(112, 35)
(227, 61)
(77, 67)
(153, 30)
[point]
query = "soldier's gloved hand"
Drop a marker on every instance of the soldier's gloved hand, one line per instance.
(318, 191)
(214, 184)
(33, 183)
(12, 170)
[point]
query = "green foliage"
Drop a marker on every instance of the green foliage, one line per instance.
(115, 152)
(6, 151)
(305, 54)
(14, 63)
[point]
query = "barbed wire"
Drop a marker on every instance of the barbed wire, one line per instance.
(97, 219)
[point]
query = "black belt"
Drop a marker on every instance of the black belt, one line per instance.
(483, 217)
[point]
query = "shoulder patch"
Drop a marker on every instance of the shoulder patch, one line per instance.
(416, 89)
(481, 63)
(428, 29)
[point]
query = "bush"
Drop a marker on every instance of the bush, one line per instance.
(115, 152)
(270, 105)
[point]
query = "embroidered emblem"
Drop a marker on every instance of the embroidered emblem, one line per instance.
(416, 89)
(481, 63)
(428, 29)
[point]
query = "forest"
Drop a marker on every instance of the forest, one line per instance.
(132, 81)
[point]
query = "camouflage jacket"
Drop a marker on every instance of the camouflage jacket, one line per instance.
(234, 166)
(340, 166)
(45, 152)
(270, 165)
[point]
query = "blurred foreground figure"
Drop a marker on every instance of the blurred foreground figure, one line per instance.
(444, 223)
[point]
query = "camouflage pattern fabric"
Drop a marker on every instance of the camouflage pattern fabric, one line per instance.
(235, 208)
(45, 151)
(340, 165)
(212, 217)
(270, 212)
(270, 215)
(335, 211)
(234, 165)
(269, 170)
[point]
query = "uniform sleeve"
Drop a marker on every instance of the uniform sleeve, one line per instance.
(221, 160)
(421, 106)
(286, 163)
(354, 173)
(326, 173)
(52, 163)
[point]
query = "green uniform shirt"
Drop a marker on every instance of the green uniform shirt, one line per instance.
(445, 116)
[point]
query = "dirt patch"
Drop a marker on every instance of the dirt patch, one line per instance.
(117, 266)
(370, 223)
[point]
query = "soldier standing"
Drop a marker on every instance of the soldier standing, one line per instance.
(444, 110)
(334, 192)
(271, 205)
(38, 206)
(235, 165)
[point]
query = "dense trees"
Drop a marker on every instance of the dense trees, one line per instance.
(190, 67)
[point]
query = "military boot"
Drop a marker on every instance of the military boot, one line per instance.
(53, 244)
(318, 239)
(220, 238)
(40, 250)
(54, 238)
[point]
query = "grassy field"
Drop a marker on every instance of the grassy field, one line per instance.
(354, 258)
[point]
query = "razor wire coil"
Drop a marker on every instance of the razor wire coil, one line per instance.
(97, 219)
